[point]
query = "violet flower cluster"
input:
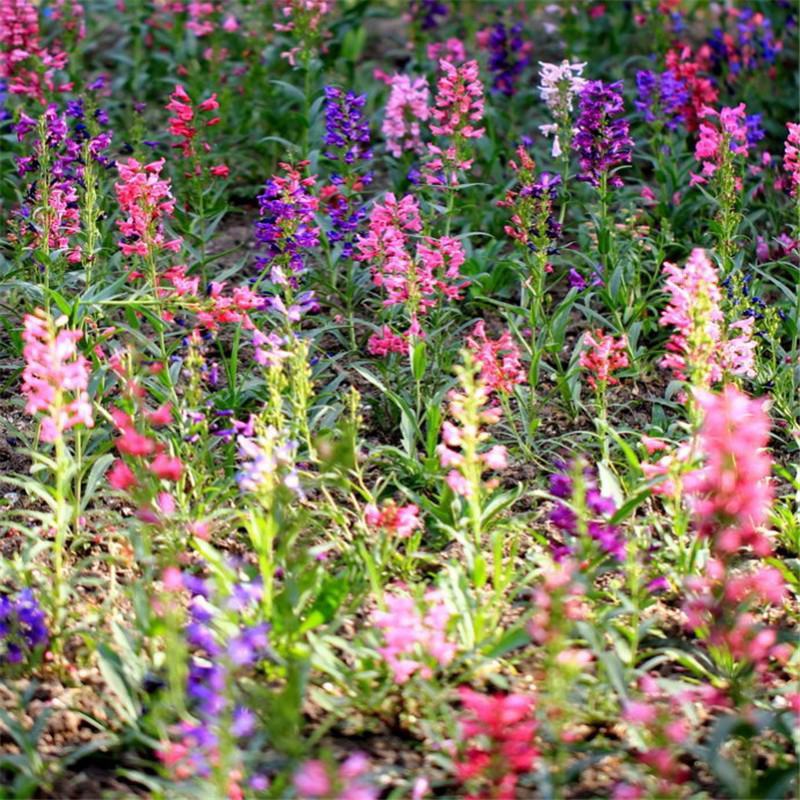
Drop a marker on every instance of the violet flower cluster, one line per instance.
(347, 134)
(427, 13)
(348, 139)
(661, 97)
(750, 46)
(217, 658)
(57, 159)
(286, 227)
(509, 55)
(23, 627)
(598, 508)
(602, 137)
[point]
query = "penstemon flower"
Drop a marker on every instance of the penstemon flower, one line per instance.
(146, 200)
(418, 283)
(456, 114)
(730, 499)
(459, 101)
(601, 356)
(717, 144)
(602, 137)
(662, 98)
(687, 69)
(28, 65)
(406, 109)
(499, 359)
(462, 450)
(509, 55)
(23, 627)
(559, 85)
(317, 780)
(286, 227)
(305, 22)
(426, 13)
(224, 645)
(348, 142)
(184, 126)
(56, 375)
(63, 154)
(400, 521)
(416, 636)
(791, 158)
(701, 350)
(497, 734)
(347, 134)
(582, 513)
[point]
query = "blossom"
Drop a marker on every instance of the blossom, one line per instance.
(559, 85)
(27, 64)
(683, 65)
(427, 12)
(459, 101)
(533, 222)
(221, 643)
(498, 741)
(716, 142)
(56, 376)
(385, 342)
(316, 780)
(509, 55)
(601, 138)
(415, 637)
(699, 349)
(401, 521)
(184, 125)
(499, 359)
(166, 467)
(597, 510)
(23, 626)
(146, 200)
(791, 157)
(732, 491)
(347, 134)
(662, 97)
(406, 108)
(601, 356)
(305, 21)
(286, 227)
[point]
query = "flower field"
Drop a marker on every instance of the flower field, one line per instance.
(399, 399)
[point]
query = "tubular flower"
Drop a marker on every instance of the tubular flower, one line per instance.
(791, 157)
(509, 55)
(56, 376)
(26, 64)
(459, 101)
(602, 356)
(416, 638)
(601, 138)
(401, 521)
(184, 126)
(498, 732)
(146, 198)
(286, 227)
(698, 350)
(732, 492)
(559, 85)
(499, 359)
(716, 143)
(406, 109)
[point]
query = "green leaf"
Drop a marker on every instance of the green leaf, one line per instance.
(419, 360)
(327, 603)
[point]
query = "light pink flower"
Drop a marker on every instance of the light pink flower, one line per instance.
(56, 375)
(406, 109)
